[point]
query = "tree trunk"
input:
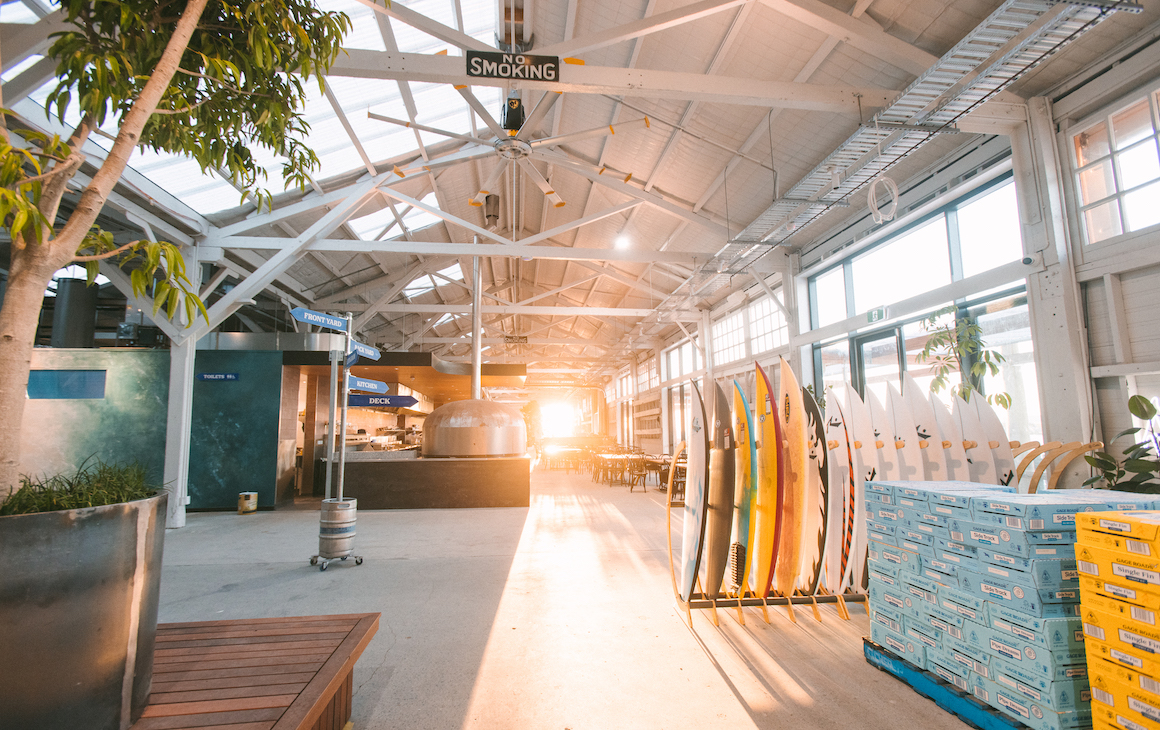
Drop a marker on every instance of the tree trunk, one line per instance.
(34, 264)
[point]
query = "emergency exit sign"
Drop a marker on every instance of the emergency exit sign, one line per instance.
(876, 315)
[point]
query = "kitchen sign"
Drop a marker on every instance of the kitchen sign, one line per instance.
(521, 66)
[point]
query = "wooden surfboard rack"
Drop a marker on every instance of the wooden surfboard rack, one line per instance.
(700, 600)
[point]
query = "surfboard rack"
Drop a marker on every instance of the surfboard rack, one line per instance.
(950, 698)
(700, 600)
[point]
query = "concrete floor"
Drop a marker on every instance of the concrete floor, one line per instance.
(558, 616)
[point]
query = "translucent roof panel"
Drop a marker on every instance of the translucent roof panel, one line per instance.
(11, 73)
(373, 226)
(364, 29)
(13, 12)
(418, 218)
(413, 40)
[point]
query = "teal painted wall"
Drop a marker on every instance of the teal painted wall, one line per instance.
(234, 439)
(127, 424)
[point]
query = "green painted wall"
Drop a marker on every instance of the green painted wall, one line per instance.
(127, 424)
(234, 439)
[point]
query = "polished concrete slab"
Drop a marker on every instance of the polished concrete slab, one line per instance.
(559, 615)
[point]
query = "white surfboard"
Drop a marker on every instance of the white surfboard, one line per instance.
(934, 462)
(839, 537)
(884, 434)
(958, 469)
(910, 466)
(980, 463)
(997, 440)
(866, 468)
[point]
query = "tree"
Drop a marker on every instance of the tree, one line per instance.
(958, 347)
(210, 79)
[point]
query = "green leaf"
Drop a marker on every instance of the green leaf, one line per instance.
(1141, 466)
(1141, 408)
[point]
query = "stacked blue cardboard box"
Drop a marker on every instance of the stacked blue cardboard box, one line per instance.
(978, 585)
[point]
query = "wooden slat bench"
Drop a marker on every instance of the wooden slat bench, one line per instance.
(256, 674)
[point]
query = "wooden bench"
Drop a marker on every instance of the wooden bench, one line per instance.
(257, 674)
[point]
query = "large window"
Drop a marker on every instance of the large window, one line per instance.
(768, 329)
(647, 377)
(906, 266)
(729, 338)
(1117, 170)
(682, 360)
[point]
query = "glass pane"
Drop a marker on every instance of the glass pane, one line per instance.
(1142, 207)
(1133, 124)
(831, 293)
(907, 266)
(989, 231)
(915, 336)
(1138, 165)
(1096, 183)
(1103, 222)
(880, 365)
(1007, 330)
(1091, 144)
(836, 364)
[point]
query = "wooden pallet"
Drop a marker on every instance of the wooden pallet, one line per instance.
(961, 704)
(257, 674)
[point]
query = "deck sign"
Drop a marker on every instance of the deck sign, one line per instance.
(381, 401)
(372, 386)
(492, 65)
(309, 316)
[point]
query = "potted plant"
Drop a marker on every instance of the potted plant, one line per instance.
(214, 81)
(1139, 470)
(957, 347)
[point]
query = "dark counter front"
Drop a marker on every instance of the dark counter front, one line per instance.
(439, 483)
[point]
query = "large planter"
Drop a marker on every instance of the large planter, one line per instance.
(78, 615)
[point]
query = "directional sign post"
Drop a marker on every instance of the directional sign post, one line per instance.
(366, 351)
(381, 401)
(354, 382)
(309, 316)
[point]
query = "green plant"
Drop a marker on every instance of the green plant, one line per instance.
(1141, 459)
(950, 347)
(214, 80)
(94, 484)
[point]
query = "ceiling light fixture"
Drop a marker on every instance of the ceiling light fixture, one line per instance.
(622, 242)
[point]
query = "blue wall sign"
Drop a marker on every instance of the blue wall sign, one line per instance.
(373, 386)
(366, 351)
(218, 376)
(381, 401)
(309, 316)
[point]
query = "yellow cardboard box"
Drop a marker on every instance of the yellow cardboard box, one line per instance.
(1125, 701)
(1110, 541)
(1120, 719)
(1121, 589)
(1107, 604)
(1133, 638)
(1101, 671)
(1139, 525)
(1117, 564)
(1140, 661)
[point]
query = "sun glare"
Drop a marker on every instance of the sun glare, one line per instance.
(558, 419)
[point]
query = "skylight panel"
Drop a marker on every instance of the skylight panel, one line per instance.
(418, 286)
(17, 13)
(412, 40)
(418, 218)
(452, 272)
(479, 20)
(370, 226)
(364, 30)
(11, 73)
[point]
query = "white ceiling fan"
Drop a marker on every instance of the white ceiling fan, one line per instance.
(513, 142)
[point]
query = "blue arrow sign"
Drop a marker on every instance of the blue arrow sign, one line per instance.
(351, 359)
(383, 401)
(309, 316)
(373, 386)
(366, 351)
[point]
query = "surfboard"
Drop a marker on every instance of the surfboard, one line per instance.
(792, 419)
(958, 469)
(839, 539)
(996, 439)
(696, 490)
(768, 518)
(816, 525)
(744, 493)
(719, 523)
(980, 463)
(910, 466)
(866, 468)
(884, 435)
(934, 462)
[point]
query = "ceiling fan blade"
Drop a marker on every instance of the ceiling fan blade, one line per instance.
(542, 108)
(425, 128)
(463, 155)
(473, 101)
(567, 158)
(541, 183)
(589, 133)
(491, 181)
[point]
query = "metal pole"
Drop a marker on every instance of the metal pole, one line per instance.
(476, 328)
(334, 356)
(345, 391)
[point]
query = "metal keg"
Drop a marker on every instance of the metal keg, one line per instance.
(336, 529)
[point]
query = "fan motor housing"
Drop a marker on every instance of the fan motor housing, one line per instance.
(513, 148)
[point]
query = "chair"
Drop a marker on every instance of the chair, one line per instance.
(637, 473)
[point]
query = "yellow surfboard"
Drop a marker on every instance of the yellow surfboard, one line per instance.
(791, 415)
(766, 524)
(744, 495)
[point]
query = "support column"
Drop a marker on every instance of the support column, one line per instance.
(177, 428)
(1057, 324)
